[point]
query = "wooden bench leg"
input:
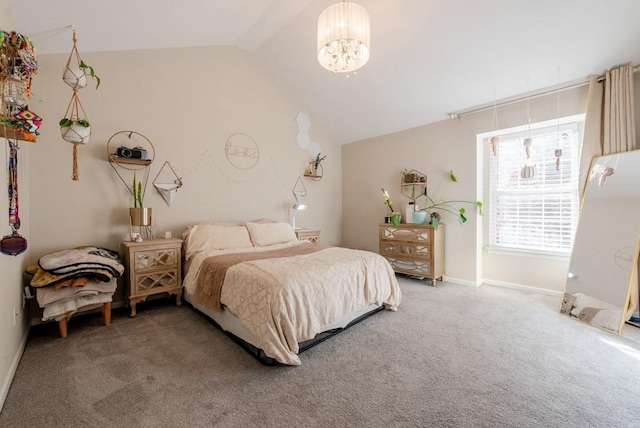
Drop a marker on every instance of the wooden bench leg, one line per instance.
(62, 326)
(106, 313)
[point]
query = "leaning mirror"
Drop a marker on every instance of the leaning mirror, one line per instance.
(602, 283)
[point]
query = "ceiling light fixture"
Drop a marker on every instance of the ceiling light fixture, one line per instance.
(343, 37)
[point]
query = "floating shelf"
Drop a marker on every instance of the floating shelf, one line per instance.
(313, 173)
(14, 134)
(129, 161)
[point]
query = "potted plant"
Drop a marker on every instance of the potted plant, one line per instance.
(393, 216)
(76, 77)
(139, 215)
(75, 130)
(444, 205)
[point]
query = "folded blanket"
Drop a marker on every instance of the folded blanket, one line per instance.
(60, 310)
(47, 295)
(42, 278)
(74, 260)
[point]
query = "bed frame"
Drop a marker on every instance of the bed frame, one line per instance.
(234, 329)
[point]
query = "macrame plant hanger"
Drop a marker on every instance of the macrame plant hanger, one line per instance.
(558, 151)
(528, 171)
(494, 140)
(75, 127)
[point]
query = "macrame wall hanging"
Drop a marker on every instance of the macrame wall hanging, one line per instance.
(75, 127)
(17, 66)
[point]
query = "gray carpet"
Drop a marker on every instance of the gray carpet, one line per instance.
(452, 356)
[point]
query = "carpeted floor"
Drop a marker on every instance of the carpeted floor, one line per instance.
(452, 356)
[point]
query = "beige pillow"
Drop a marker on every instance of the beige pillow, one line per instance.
(263, 234)
(210, 237)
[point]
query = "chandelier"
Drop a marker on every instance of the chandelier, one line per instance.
(343, 37)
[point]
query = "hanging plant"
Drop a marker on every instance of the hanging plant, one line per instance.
(75, 72)
(74, 126)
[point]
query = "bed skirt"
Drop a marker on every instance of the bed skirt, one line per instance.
(234, 329)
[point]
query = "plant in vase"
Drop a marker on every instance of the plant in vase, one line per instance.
(447, 206)
(317, 164)
(393, 216)
(140, 216)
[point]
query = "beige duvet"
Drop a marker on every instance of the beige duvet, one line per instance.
(285, 301)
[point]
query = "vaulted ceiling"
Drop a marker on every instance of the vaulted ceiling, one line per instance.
(429, 58)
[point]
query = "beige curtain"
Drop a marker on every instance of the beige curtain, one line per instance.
(610, 122)
(619, 133)
(592, 139)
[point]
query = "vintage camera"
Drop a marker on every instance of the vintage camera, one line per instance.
(135, 153)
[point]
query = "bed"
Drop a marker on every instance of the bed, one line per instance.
(276, 295)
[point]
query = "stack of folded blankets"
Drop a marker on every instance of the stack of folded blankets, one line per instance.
(82, 278)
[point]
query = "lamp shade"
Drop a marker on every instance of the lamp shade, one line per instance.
(343, 37)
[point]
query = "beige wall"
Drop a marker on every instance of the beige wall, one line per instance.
(434, 150)
(12, 335)
(187, 102)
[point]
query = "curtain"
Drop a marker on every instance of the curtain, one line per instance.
(610, 122)
(591, 141)
(619, 133)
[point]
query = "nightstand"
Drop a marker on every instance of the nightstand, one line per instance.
(308, 235)
(152, 267)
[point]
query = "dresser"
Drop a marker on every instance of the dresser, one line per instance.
(414, 249)
(152, 267)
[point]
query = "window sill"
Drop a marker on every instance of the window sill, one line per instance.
(515, 252)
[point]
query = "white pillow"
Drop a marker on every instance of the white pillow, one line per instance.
(210, 237)
(263, 234)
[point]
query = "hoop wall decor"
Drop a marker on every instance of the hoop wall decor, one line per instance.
(242, 151)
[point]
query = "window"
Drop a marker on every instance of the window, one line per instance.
(534, 201)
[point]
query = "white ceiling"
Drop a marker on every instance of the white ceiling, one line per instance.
(429, 58)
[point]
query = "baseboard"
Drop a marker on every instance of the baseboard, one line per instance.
(4, 390)
(523, 287)
(461, 281)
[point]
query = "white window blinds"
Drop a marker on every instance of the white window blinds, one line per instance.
(534, 200)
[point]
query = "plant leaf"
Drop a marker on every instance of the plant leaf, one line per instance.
(461, 218)
(65, 122)
(453, 176)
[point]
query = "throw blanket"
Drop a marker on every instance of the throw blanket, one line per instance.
(47, 295)
(214, 269)
(77, 259)
(42, 278)
(587, 314)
